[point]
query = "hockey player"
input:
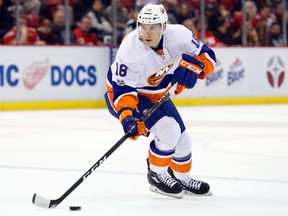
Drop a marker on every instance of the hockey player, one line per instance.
(149, 61)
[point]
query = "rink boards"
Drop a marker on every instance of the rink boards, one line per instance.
(74, 77)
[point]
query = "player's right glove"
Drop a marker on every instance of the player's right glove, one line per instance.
(186, 74)
(131, 125)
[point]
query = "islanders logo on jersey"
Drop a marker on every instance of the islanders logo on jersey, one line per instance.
(159, 75)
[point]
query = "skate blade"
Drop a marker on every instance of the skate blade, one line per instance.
(186, 192)
(156, 190)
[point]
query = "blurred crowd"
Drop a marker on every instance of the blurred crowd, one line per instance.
(42, 22)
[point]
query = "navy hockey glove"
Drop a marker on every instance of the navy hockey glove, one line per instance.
(186, 74)
(131, 125)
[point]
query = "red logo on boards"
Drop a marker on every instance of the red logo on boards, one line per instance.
(33, 74)
(275, 72)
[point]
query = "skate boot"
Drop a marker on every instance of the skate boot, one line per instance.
(164, 184)
(193, 186)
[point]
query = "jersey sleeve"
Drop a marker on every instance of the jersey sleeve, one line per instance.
(192, 46)
(202, 53)
(208, 58)
(125, 76)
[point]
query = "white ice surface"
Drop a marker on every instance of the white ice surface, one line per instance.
(241, 151)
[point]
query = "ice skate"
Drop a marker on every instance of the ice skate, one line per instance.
(164, 184)
(193, 186)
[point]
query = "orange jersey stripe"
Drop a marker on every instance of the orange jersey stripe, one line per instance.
(110, 97)
(109, 88)
(155, 97)
(208, 65)
(125, 101)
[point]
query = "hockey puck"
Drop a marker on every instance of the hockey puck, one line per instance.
(75, 208)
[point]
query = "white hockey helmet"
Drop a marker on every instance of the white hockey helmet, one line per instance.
(153, 14)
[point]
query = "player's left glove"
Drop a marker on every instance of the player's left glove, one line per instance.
(131, 124)
(186, 74)
(133, 127)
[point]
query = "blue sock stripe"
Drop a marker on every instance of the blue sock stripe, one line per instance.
(157, 151)
(183, 159)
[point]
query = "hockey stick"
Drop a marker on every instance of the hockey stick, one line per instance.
(48, 203)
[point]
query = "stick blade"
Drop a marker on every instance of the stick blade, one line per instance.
(41, 202)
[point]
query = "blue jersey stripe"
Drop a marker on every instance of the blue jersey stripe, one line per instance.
(163, 85)
(209, 51)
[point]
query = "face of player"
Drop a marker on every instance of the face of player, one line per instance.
(150, 34)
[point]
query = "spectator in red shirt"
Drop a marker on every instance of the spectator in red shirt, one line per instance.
(28, 35)
(83, 34)
(251, 16)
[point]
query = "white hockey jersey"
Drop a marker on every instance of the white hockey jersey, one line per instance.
(138, 69)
